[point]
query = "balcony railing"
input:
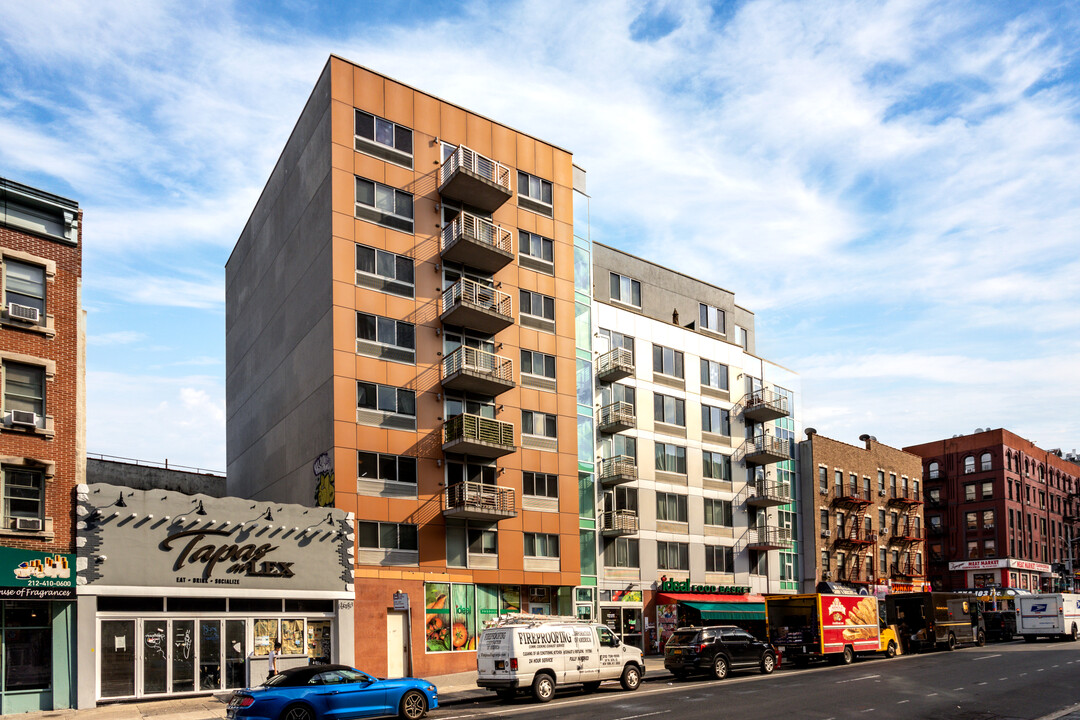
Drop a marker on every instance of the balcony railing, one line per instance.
(763, 406)
(767, 494)
(474, 179)
(616, 417)
(907, 534)
(471, 305)
(762, 450)
(474, 370)
(475, 435)
(906, 569)
(615, 364)
(618, 470)
(855, 536)
(477, 242)
(905, 497)
(479, 501)
(619, 522)
(768, 538)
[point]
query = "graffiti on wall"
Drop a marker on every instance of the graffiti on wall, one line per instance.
(323, 467)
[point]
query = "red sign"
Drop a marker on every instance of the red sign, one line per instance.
(849, 620)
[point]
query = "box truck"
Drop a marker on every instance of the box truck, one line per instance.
(1055, 615)
(830, 627)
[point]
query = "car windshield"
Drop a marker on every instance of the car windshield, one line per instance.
(683, 637)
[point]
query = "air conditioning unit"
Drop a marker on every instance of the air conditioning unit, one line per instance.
(823, 492)
(881, 493)
(24, 418)
(28, 524)
(883, 532)
(23, 312)
(825, 533)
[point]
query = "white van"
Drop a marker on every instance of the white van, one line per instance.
(539, 652)
(1054, 615)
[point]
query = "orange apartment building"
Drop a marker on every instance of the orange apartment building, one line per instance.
(400, 345)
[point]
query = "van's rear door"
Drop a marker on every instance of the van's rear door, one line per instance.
(493, 653)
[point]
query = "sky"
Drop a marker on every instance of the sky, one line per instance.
(893, 188)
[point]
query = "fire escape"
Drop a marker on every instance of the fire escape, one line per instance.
(853, 538)
(907, 534)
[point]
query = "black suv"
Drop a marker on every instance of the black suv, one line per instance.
(716, 650)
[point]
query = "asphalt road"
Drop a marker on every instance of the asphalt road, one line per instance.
(1009, 680)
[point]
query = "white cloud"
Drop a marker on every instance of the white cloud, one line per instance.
(120, 337)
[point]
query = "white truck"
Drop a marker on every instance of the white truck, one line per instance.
(538, 653)
(1055, 615)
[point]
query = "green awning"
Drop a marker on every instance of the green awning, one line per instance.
(728, 610)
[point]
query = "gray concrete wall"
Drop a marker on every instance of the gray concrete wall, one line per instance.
(145, 477)
(664, 291)
(278, 321)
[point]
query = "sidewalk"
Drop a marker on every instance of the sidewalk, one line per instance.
(454, 689)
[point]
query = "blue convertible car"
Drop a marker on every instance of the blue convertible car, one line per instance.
(332, 692)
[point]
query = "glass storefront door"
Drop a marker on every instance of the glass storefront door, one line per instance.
(624, 622)
(209, 654)
(183, 656)
(155, 664)
(117, 657)
(235, 653)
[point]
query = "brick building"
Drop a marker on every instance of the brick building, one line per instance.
(42, 443)
(997, 511)
(866, 527)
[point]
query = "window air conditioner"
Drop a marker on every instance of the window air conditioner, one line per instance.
(823, 492)
(824, 533)
(881, 493)
(24, 418)
(23, 312)
(28, 523)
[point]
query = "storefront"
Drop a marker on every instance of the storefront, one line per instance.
(680, 603)
(624, 612)
(37, 628)
(1005, 573)
(181, 594)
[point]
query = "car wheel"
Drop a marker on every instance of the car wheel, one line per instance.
(890, 650)
(951, 643)
(980, 639)
(413, 705)
(631, 678)
(768, 663)
(543, 688)
(848, 656)
(720, 667)
(591, 687)
(298, 712)
(507, 694)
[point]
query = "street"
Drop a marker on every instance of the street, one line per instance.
(1011, 680)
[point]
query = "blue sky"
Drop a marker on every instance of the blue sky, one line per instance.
(892, 187)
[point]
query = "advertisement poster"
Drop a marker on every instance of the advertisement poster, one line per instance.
(849, 620)
(437, 616)
(37, 575)
(633, 596)
(463, 631)
(666, 622)
(487, 604)
(511, 599)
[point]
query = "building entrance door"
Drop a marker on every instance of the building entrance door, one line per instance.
(397, 643)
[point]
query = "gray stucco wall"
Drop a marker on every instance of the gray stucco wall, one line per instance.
(278, 342)
(144, 477)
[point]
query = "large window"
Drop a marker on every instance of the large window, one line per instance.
(935, 470)
(24, 285)
(24, 496)
(625, 289)
(621, 553)
(372, 396)
(541, 545)
(716, 466)
(719, 559)
(537, 363)
(375, 129)
(711, 318)
(667, 361)
(985, 462)
(384, 205)
(670, 507)
(670, 458)
(718, 512)
(537, 193)
(385, 331)
(388, 468)
(714, 374)
(536, 246)
(470, 472)
(538, 423)
(24, 392)
(397, 269)
(670, 410)
(386, 535)
(672, 556)
(715, 420)
(969, 464)
(538, 305)
(540, 484)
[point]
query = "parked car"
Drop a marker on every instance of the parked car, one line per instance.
(716, 650)
(339, 692)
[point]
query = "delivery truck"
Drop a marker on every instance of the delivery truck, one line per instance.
(943, 620)
(1053, 615)
(830, 627)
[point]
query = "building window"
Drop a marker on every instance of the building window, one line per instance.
(715, 420)
(969, 464)
(621, 552)
(988, 519)
(988, 490)
(24, 392)
(536, 190)
(376, 129)
(934, 495)
(985, 462)
(823, 519)
(969, 492)
(973, 549)
(823, 480)
(24, 496)
(540, 484)
(670, 507)
(385, 331)
(538, 423)
(541, 545)
(718, 512)
(24, 285)
(714, 374)
(537, 363)
(384, 205)
(670, 458)
(536, 246)
(617, 392)
(457, 472)
(934, 470)
(483, 542)
(625, 289)
(537, 305)
(892, 484)
(881, 482)
(716, 466)
(719, 559)
(741, 337)
(825, 560)
(386, 536)
(398, 269)
(667, 361)
(672, 556)
(385, 398)
(670, 410)
(388, 468)
(989, 548)
(971, 521)
(711, 318)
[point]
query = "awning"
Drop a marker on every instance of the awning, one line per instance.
(729, 610)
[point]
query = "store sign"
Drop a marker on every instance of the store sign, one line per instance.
(239, 559)
(685, 586)
(1000, 563)
(36, 575)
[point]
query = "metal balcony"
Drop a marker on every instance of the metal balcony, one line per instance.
(618, 470)
(905, 497)
(478, 307)
(762, 450)
(906, 534)
(472, 370)
(616, 417)
(477, 501)
(615, 365)
(476, 242)
(763, 406)
(767, 494)
(768, 538)
(618, 522)
(470, 178)
(906, 569)
(470, 434)
(855, 537)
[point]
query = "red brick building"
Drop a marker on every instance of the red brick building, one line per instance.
(42, 443)
(996, 509)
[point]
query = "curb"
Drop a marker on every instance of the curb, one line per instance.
(460, 697)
